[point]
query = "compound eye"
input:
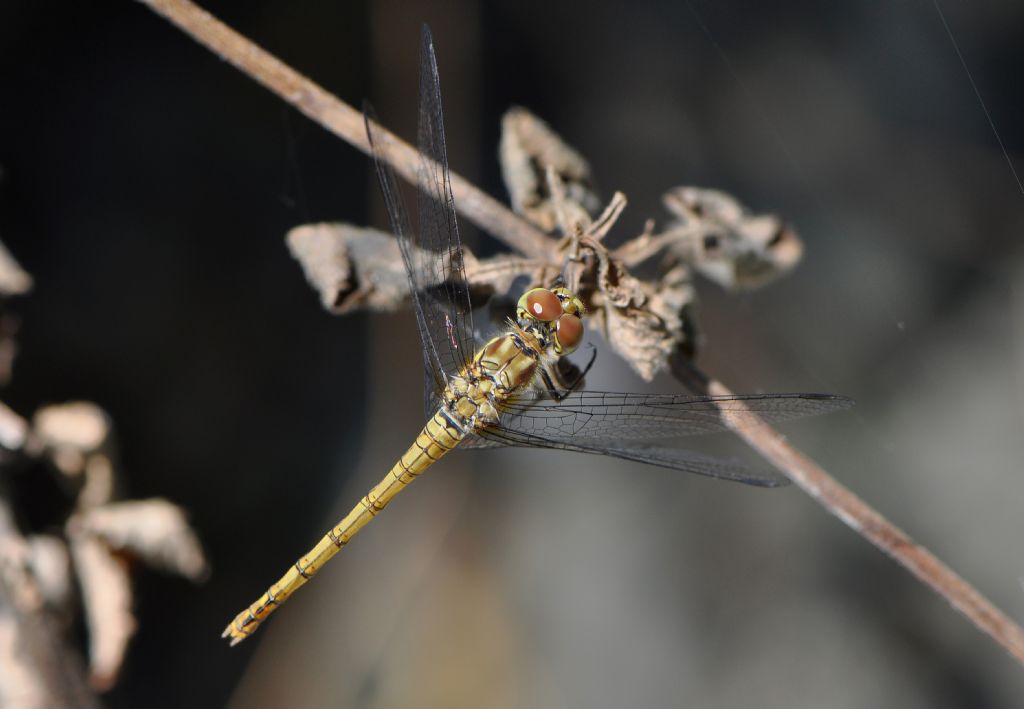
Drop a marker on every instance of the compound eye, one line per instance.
(568, 332)
(570, 303)
(543, 304)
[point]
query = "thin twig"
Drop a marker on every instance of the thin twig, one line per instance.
(866, 521)
(343, 120)
(347, 123)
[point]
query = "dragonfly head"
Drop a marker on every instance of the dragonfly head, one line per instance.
(555, 315)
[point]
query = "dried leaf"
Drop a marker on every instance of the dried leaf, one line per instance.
(21, 683)
(738, 250)
(362, 269)
(14, 280)
(351, 267)
(70, 431)
(99, 481)
(77, 424)
(19, 588)
(528, 148)
(106, 597)
(50, 565)
(35, 671)
(13, 429)
(154, 530)
(9, 325)
(641, 322)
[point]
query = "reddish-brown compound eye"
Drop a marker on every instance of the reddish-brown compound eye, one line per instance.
(543, 304)
(568, 332)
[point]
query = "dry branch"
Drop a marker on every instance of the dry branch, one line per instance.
(343, 120)
(346, 122)
(869, 523)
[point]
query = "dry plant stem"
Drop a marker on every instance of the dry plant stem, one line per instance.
(867, 522)
(347, 123)
(344, 121)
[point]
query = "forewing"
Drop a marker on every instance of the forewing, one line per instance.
(432, 253)
(439, 268)
(602, 415)
(636, 426)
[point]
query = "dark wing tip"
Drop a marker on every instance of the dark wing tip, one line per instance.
(369, 116)
(769, 482)
(836, 402)
(426, 42)
(840, 401)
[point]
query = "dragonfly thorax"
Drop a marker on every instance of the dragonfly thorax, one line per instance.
(503, 367)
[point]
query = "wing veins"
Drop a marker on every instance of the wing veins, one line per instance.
(672, 458)
(622, 416)
(432, 254)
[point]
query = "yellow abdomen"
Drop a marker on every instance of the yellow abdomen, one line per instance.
(437, 438)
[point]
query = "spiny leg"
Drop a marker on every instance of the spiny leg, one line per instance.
(552, 379)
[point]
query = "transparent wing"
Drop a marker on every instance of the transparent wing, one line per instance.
(664, 457)
(636, 426)
(433, 253)
(603, 416)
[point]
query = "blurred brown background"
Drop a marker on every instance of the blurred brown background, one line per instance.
(147, 186)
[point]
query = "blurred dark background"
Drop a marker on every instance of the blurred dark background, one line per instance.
(147, 187)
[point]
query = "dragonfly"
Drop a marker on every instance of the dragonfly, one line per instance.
(512, 391)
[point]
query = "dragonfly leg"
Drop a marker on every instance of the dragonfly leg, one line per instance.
(556, 387)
